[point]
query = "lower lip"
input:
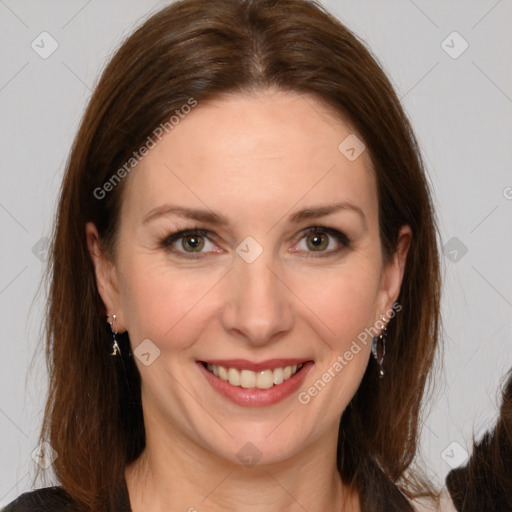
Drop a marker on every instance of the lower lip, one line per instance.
(257, 397)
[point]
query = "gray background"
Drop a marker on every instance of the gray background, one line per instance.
(460, 108)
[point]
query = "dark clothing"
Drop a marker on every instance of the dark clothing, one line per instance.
(55, 499)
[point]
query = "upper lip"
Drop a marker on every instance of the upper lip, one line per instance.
(244, 364)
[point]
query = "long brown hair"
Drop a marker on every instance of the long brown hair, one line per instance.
(201, 49)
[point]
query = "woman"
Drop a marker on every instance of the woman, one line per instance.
(244, 294)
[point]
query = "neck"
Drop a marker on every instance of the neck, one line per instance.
(176, 474)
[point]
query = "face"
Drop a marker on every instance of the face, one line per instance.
(281, 265)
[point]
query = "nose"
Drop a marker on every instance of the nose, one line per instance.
(257, 304)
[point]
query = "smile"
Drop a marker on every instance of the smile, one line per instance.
(249, 379)
(252, 384)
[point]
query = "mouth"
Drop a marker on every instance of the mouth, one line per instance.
(251, 384)
(250, 379)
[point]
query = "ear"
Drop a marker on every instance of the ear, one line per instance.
(106, 276)
(393, 273)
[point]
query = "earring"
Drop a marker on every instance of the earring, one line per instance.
(379, 347)
(115, 347)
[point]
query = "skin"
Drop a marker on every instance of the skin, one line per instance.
(255, 159)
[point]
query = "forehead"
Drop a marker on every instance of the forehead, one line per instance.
(263, 152)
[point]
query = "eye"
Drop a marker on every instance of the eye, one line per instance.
(324, 241)
(189, 242)
(192, 242)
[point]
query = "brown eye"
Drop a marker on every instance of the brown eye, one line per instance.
(189, 243)
(317, 241)
(323, 241)
(193, 241)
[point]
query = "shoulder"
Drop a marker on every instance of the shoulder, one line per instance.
(47, 499)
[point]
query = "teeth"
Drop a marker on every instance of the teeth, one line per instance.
(223, 373)
(234, 377)
(278, 375)
(248, 379)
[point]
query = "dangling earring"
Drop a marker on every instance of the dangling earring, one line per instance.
(115, 347)
(379, 347)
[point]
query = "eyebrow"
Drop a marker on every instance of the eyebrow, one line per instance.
(211, 217)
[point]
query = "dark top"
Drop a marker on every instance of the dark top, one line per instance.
(55, 499)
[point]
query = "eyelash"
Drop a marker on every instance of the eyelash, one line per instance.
(344, 241)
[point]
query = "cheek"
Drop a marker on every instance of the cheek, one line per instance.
(345, 302)
(165, 304)
(344, 299)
